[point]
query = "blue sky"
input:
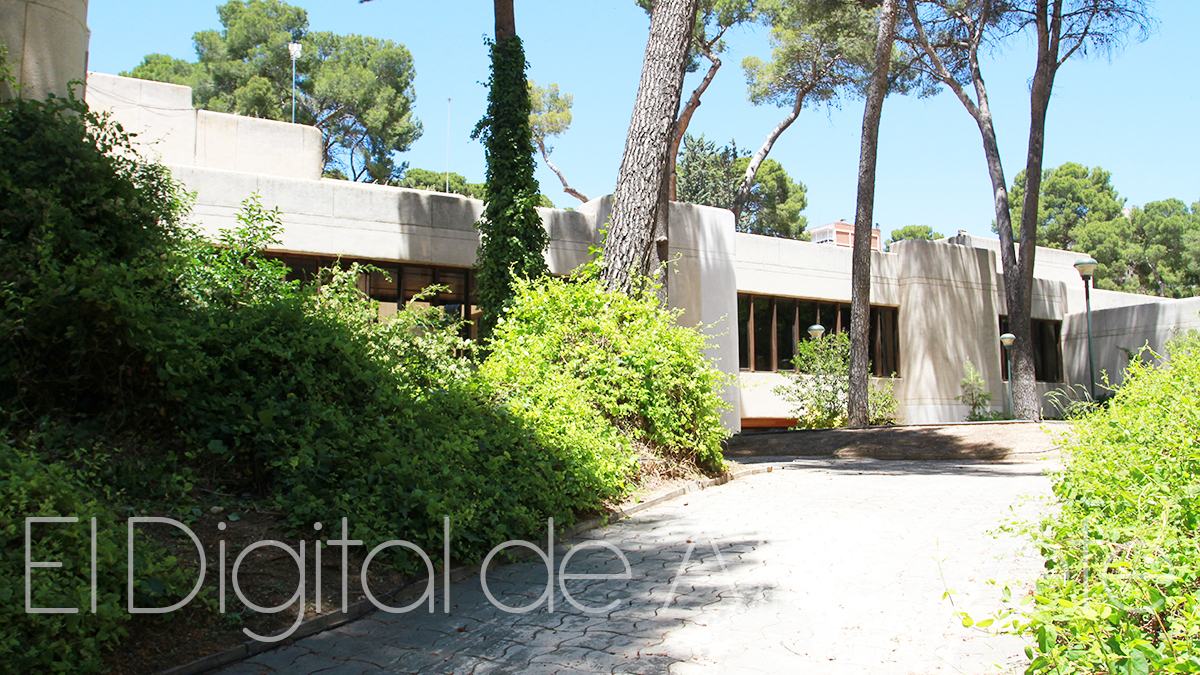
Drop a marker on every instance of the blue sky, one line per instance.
(1134, 113)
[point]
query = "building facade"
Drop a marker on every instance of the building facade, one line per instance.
(936, 305)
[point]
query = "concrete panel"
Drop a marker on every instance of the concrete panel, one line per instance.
(454, 212)
(47, 43)
(1119, 332)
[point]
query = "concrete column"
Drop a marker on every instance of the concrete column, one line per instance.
(47, 45)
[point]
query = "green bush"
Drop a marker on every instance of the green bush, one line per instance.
(31, 486)
(570, 342)
(1120, 591)
(975, 394)
(818, 388)
(142, 366)
(87, 247)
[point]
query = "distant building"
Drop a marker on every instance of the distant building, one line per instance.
(841, 233)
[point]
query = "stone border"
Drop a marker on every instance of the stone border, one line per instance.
(363, 607)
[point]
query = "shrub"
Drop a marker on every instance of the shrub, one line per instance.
(140, 362)
(87, 247)
(31, 486)
(975, 394)
(819, 386)
(624, 357)
(1122, 556)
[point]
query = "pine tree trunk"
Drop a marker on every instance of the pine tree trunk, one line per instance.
(506, 20)
(638, 199)
(1026, 402)
(864, 219)
(685, 119)
(756, 160)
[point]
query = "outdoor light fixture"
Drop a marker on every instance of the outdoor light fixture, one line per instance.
(294, 51)
(1007, 341)
(816, 330)
(1087, 267)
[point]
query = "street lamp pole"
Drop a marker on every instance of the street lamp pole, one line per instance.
(1087, 270)
(1007, 341)
(294, 52)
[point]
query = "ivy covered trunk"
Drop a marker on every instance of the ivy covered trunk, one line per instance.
(513, 239)
(640, 195)
(864, 218)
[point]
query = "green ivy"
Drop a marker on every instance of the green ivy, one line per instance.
(514, 241)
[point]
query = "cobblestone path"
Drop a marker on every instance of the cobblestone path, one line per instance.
(819, 566)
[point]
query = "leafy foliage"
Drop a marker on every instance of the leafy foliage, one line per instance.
(439, 181)
(1119, 592)
(818, 388)
(357, 90)
(514, 241)
(975, 394)
(1072, 197)
(549, 112)
(142, 363)
(32, 486)
(1153, 249)
(709, 174)
(921, 232)
(611, 359)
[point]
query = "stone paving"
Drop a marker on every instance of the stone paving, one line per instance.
(819, 566)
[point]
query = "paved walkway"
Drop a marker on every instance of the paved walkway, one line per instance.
(824, 566)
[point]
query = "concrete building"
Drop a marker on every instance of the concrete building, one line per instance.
(46, 43)
(936, 304)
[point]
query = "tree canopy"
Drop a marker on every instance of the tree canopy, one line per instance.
(923, 232)
(357, 90)
(441, 181)
(1072, 195)
(710, 174)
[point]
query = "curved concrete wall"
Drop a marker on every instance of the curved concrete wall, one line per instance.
(47, 43)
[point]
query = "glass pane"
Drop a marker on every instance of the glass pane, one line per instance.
(416, 279)
(762, 334)
(384, 283)
(785, 323)
(456, 280)
(809, 315)
(743, 322)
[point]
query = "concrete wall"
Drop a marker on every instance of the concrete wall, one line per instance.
(171, 131)
(1119, 332)
(47, 44)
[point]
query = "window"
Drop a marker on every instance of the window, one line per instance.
(1047, 350)
(769, 328)
(394, 284)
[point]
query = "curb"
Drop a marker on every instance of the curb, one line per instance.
(363, 607)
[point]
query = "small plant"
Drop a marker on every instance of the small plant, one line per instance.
(975, 394)
(818, 388)
(1071, 402)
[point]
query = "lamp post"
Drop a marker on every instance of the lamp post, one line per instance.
(1087, 268)
(815, 331)
(294, 52)
(1007, 341)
